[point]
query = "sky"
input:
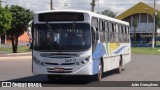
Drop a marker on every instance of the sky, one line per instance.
(117, 6)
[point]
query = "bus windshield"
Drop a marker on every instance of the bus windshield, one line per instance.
(62, 37)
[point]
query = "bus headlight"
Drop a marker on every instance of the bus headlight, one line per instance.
(86, 60)
(38, 62)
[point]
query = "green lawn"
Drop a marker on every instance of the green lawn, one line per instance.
(135, 50)
(9, 49)
(145, 50)
(158, 42)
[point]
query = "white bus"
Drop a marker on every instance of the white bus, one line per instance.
(77, 42)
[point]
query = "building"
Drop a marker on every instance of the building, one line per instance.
(23, 39)
(143, 13)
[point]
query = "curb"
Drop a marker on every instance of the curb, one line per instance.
(15, 58)
(27, 53)
(15, 54)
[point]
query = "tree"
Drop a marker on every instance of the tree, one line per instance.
(21, 18)
(5, 20)
(157, 23)
(109, 13)
(135, 25)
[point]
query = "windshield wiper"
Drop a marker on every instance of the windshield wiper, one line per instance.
(50, 28)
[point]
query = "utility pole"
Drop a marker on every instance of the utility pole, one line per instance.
(92, 5)
(51, 5)
(154, 19)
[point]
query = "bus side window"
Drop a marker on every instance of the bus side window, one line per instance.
(106, 31)
(101, 31)
(113, 33)
(127, 34)
(94, 22)
(120, 33)
(110, 32)
(124, 27)
(116, 33)
(123, 33)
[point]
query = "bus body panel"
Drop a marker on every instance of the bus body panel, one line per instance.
(109, 52)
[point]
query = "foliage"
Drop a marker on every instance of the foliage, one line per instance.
(9, 49)
(109, 13)
(145, 50)
(5, 20)
(21, 18)
(158, 19)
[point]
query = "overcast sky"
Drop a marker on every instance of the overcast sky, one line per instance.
(117, 6)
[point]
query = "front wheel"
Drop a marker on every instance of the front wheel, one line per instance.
(98, 76)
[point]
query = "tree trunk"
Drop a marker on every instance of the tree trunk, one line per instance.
(14, 43)
(0, 40)
(155, 36)
(134, 36)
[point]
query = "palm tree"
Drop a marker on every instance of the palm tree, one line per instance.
(135, 25)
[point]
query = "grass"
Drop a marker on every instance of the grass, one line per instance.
(21, 49)
(135, 50)
(158, 42)
(145, 50)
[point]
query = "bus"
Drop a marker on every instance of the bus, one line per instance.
(78, 42)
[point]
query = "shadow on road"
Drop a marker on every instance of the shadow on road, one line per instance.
(110, 73)
(64, 80)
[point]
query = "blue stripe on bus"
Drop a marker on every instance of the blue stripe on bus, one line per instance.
(119, 50)
(97, 54)
(99, 51)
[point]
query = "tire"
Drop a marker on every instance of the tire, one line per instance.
(98, 76)
(119, 69)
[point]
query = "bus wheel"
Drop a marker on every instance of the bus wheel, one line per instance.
(119, 69)
(98, 76)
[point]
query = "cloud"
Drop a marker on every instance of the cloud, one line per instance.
(118, 6)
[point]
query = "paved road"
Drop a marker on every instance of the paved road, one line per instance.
(141, 68)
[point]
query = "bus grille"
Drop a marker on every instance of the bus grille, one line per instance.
(59, 64)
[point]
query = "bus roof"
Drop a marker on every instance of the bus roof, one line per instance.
(90, 13)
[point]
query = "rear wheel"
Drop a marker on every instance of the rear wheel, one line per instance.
(119, 69)
(98, 76)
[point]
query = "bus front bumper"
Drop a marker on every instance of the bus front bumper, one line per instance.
(85, 69)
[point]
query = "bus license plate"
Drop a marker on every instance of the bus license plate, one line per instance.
(59, 69)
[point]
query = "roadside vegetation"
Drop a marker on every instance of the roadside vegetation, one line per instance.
(21, 49)
(145, 50)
